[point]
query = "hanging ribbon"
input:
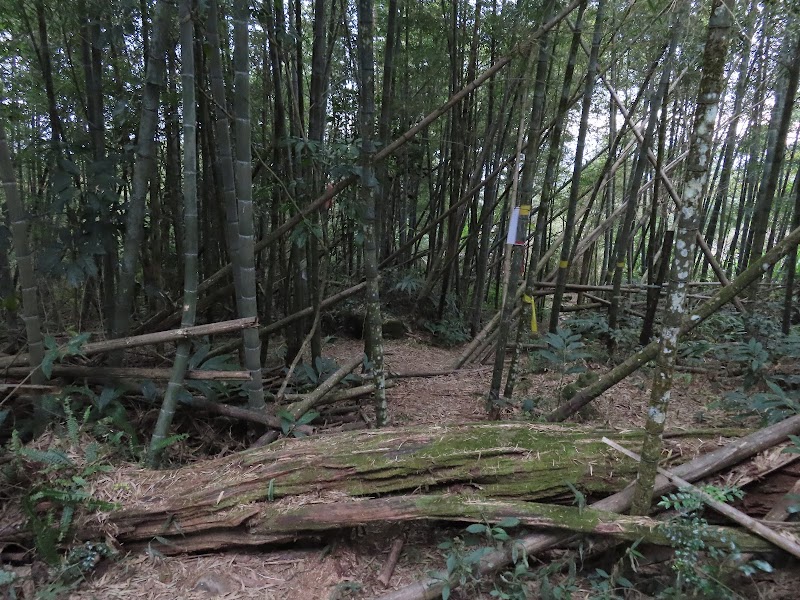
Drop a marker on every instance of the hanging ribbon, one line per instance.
(528, 300)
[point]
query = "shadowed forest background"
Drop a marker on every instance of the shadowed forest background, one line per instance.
(452, 246)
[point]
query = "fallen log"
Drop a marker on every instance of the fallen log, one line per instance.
(394, 555)
(236, 500)
(746, 521)
(317, 516)
(700, 467)
(299, 408)
(136, 373)
(502, 460)
(346, 394)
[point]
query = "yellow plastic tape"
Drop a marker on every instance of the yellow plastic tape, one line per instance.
(534, 325)
(620, 265)
(563, 264)
(524, 210)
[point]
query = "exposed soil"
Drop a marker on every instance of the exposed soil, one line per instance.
(349, 564)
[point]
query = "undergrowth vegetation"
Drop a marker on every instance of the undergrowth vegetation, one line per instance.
(94, 430)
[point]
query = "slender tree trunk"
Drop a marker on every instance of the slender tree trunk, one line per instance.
(366, 113)
(27, 276)
(716, 50)
(45, 63)
(554, 151)
(142, 171)
(572, 206)
(316, 133)
(730, 144)
(244, 198)
(624, 238)
(224, 154)
(779, 122)
(513, 260)
(791, 262)
(654, 292)
(175, 385)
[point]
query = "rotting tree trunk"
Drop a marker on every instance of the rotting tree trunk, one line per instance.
(280, 522)
(700, 148)
(504, 460)
(700, 467)
(508, 460)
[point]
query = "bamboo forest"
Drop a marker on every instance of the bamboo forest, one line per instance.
(399, 299)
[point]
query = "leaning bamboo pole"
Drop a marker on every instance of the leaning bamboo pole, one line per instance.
(718, 300)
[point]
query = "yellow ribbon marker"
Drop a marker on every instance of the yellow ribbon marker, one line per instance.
(620, 265)
(524, 210)
(563, 264)
(528, 300)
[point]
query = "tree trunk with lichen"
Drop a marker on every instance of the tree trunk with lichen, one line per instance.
(702, 141)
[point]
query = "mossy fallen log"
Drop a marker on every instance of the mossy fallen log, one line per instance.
(499, 460)
(533, 462)
(224, 496)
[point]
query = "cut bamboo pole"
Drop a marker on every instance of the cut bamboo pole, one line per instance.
(147, 339)
(746, 521)
(94, 373)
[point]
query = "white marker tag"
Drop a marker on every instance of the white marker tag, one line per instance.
(512, 227)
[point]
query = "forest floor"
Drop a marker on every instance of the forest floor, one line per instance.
(349, 565)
